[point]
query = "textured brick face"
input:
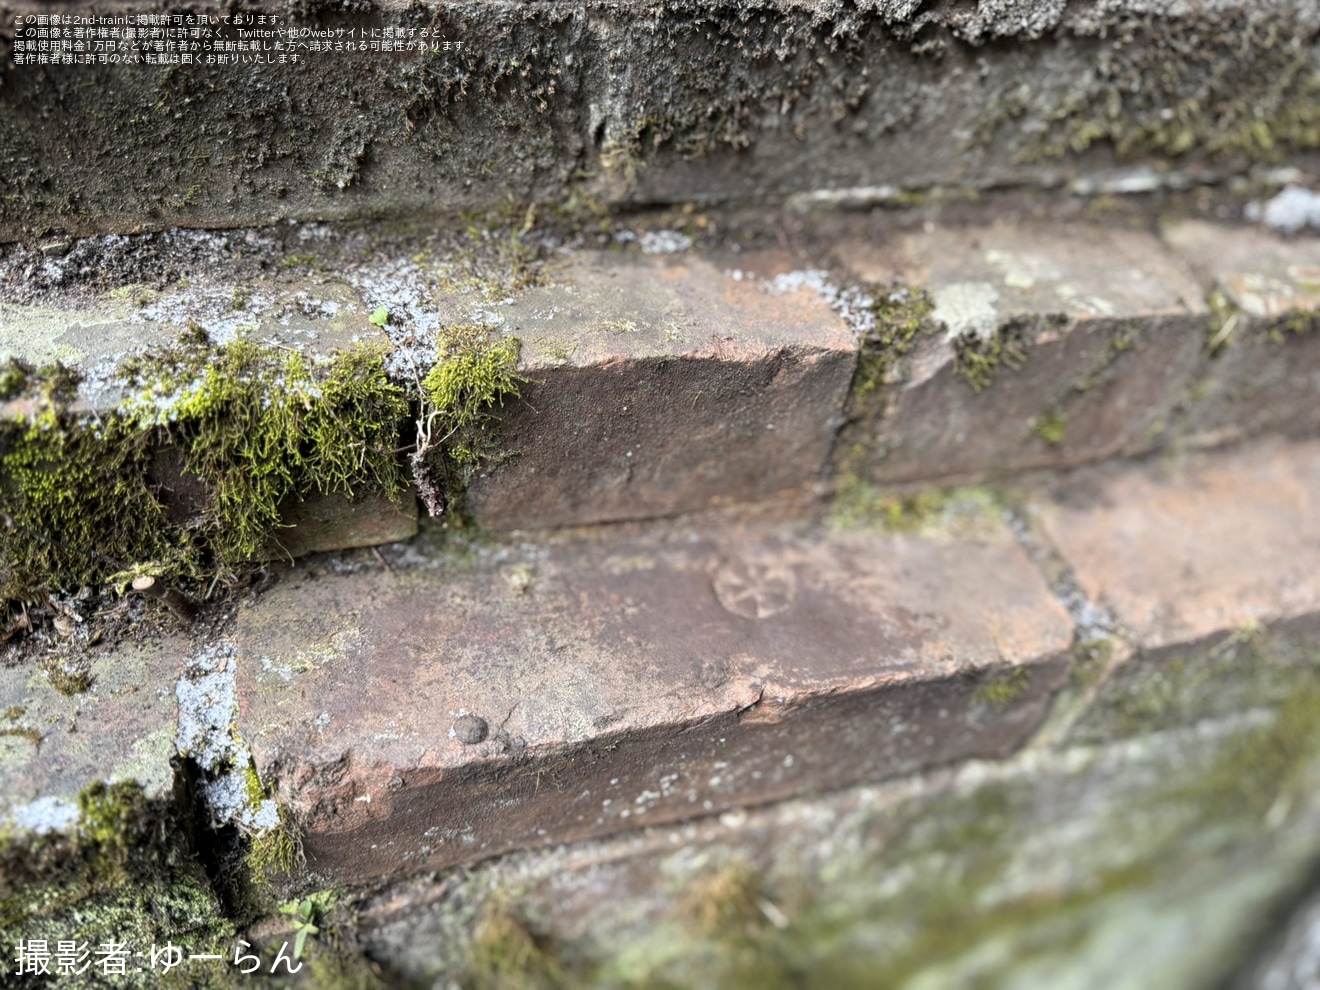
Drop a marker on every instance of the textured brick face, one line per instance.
(632, 683)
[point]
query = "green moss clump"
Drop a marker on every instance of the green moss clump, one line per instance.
(258, 425)
(505, 955)
(1052, 427)
(464, 389)
(901, 316)
(13, 378)
(977, 359)
(125, 873)
(1002, 689)
(275, 851)
(858, 505)
(77, 495)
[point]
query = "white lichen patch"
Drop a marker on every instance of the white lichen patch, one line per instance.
(46, 815)
(208, 710)
(1290, 212)
(967, 307)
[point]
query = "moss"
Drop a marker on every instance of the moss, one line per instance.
(270, 852)
(505, 955)
(126, 873)
(1002, 689)
(1265, 766)
(77, 495)
(65, 676)
(901, 316)
(727, 904)
(13, 378)
(463, 393)
(275, 851)
(977, 359)
(258, 426)
(858, 505)
(1295, 324)
(1051, 427)
(1229, 85)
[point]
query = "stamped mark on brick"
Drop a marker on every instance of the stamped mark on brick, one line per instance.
(753, 590)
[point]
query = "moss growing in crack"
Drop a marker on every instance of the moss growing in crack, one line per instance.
(901, 316)
(275, 851)
(461, 398)
(858, 505)
(1002, 689)
(1295, 324)
(258, 425)
(977, 359)
(124, 872)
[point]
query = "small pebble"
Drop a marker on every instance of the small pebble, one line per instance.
(55, 249)
(470, 730)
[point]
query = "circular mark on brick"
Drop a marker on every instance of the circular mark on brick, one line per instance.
(755, 591)
(471, 729)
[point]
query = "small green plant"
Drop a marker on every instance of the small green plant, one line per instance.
(308, 916)
(379, 317)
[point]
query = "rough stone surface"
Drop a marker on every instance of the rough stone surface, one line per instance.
(1101, 332)
(1199, 546)
(1266, 372)
(53, 745)
(826, 100)
(665, 385)
(1139, 865)
(630, 682)
(333, 522)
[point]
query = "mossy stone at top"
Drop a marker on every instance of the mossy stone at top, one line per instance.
(723, 101)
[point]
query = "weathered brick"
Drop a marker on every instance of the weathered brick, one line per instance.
(663, 385)
(1265, 375)
(1099, 333)
(122, 728)
(1204, 546)
(631, 682)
